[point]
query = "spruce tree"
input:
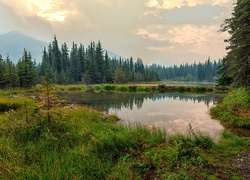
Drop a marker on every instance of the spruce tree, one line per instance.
(26, 71)
(236, 65)
(10, 74)
(2, 69)
(99, 62)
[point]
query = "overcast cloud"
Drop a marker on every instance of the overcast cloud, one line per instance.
(161, 31)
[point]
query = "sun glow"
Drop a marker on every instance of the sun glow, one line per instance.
(48, 9)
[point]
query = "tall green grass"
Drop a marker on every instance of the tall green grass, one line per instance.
(82, 143)
(182, 89)
(121, 88)
(12, 103)
(75, 87)
(229, 110)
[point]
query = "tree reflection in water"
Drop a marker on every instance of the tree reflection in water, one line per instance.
(104, 101)
(167, 110)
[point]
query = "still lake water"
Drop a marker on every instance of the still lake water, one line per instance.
(170, 111)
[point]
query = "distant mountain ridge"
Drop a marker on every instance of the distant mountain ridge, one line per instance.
(12, 44)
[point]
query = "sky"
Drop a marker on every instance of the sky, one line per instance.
(157, 31)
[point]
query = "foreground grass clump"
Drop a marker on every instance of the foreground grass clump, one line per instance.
(8, 103)
(234, 109)
(78, 143)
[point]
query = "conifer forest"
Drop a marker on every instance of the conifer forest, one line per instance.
(92, 65)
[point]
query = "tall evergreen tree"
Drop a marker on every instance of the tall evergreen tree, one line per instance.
(236, 64)
(73, 63)
(10, 74)
(99, 62)
(2, 71)
(65, 74)
(26, 71)
(56, 56)
(107, 74)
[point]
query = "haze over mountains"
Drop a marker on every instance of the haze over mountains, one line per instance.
(12, 44)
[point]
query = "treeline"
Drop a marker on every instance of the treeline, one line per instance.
(206, 71)
(90, 65)
(23, 74)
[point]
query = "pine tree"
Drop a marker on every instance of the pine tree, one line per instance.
(10, 74)
(236, 64)
(80, 63)
(56, 56)
(26, 71)
(2, 71)
(65, 74)
(73, 63)
(107, 74)
(99, 62)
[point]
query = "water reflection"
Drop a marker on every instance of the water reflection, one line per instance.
(103, 101)
(170, 111)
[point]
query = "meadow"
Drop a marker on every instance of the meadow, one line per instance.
(68, 141)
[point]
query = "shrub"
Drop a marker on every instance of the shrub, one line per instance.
(132, 88)
(144, 89)
(97, 88)
(109, 87)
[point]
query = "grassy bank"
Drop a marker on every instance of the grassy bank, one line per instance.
(81, 143)
(121, 88)
(184, 88)
(151, 87)
(234, 109)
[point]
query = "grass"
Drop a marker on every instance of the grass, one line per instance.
(75, 87)
(150, 88)
(8, 103)
(121, 88)
(234, 109)
(184, 88)
(82, 143)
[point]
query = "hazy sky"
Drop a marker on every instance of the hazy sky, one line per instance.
(162, 31)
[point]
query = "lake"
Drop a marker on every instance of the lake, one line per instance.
(172, 112)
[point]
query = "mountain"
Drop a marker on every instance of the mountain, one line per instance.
(113, 55)
(14, 42)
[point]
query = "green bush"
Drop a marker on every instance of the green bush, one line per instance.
(146, 89)
(132, 88)
(97, 88)
(122, 89)
(109, 87)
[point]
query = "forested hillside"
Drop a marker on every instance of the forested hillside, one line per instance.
(92, 65)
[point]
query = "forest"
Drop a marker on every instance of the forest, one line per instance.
(92, 65)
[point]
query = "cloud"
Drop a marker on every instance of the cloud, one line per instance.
(17, 17)
(154, 30)
(51, 10)
(173, 4)
(201, 14)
